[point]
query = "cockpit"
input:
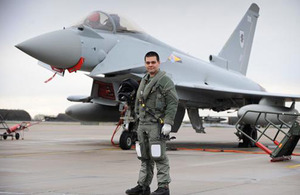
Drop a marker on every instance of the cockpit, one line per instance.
(109, 22)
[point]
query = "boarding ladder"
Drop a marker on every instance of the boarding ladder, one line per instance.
(286, 146)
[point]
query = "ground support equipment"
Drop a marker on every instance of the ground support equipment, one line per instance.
(286, 146)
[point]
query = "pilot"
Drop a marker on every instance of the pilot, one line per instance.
(155, 108)
(93, 20)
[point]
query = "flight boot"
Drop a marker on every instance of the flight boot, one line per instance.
(161, 191)
(138, 190)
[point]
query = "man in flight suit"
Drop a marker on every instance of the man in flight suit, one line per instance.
(155, 107)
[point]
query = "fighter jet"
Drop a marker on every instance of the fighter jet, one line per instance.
(111, 49)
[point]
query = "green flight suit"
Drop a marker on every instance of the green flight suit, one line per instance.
(160, 100)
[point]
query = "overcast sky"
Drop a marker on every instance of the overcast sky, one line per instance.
(197, 27)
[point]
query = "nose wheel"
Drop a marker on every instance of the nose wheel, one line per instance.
(127, 139)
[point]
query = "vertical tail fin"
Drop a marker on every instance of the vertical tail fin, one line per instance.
(238, 47)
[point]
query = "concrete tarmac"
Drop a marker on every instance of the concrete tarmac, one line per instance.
(69, 158)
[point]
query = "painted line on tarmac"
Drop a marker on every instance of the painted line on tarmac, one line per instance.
(293, 166)
(221, 150)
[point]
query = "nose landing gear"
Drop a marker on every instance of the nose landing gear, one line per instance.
(127, 139)
(126, 96)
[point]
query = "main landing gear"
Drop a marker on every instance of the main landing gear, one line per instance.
(251, 131)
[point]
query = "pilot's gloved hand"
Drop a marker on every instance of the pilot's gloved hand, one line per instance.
(166, 129)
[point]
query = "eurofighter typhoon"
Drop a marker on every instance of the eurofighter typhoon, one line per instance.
(111, 50)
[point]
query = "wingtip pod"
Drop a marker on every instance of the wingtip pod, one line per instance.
(254, 7)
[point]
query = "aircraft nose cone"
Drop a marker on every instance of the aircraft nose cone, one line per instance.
(61, 49)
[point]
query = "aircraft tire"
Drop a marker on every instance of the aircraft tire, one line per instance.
(252, 132)
(17, 136)
(4, 136)
(126, 140)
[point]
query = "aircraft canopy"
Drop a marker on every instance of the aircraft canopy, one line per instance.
(109, 22)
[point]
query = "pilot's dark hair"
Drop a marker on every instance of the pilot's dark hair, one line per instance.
(151, 54)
